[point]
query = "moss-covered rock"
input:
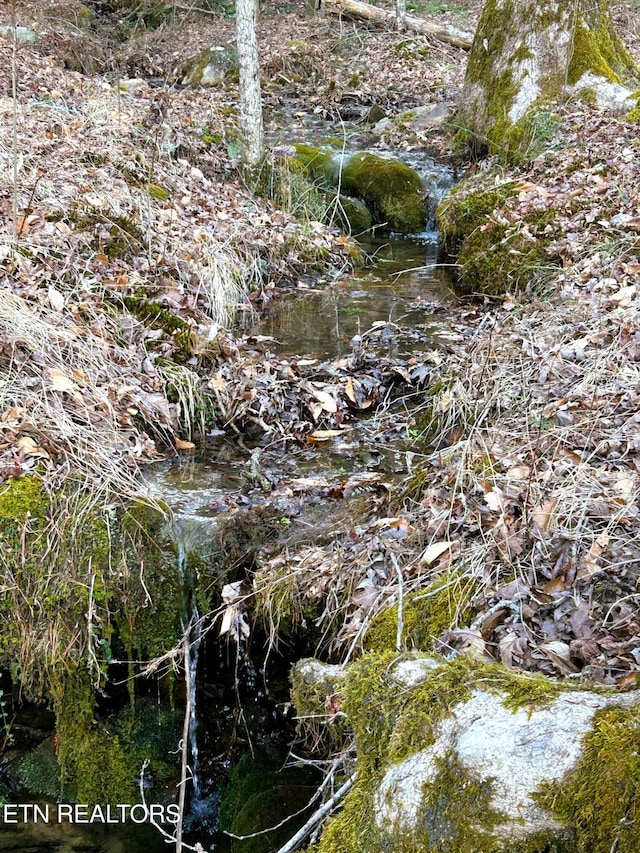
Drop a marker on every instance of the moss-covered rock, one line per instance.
(392, 190)
(354, 215)
(465, 756)
(425, 615)
(320, 163)
(260, 795)
(600, 796)
(493, 254)
(210, 68)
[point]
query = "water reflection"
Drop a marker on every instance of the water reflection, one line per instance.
(404, 288)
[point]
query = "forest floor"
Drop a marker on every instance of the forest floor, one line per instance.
(115, 342)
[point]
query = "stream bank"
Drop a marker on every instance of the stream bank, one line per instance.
(525, 484)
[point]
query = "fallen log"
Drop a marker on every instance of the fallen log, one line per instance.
(366, 12)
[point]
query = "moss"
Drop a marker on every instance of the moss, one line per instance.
(495, 256)
(494, 261)
(598, 49)
(601, 796)
(499, 65)
(267, 809)
(456, 814)
(95, 766)
(259, 794)
(152, 733)
(151, 589)
(39, 771)
(154, 315)
(392, 190)
(117, 236)
(634, 114)
(56, 569)
(355, 217)
(425, 615)
(465, 209)
(319, 162)
(392, 722)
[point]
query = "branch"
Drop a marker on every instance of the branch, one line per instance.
(316, 817)
(366, 12)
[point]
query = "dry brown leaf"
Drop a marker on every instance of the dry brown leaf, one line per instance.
(590, 563)
(184, 445)
(56, 299)
(59, 381)
(320, 435)
(327, 402)
(13, 415)
(28, 447)
(541, 515)
(559, 654)
(435, 550)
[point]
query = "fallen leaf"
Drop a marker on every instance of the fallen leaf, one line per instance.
(321, 435)
(28, 447)
(435, 550)
(591, 561)
(559, 654)
(541, 515)
(59, 381)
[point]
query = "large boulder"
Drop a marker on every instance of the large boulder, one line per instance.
(392, 191)
(210, 68)
(465, 756)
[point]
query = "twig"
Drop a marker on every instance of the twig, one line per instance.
(325, 781)
(400, 625)
(295, 842)
(184, 744)
(166, 835)
(14, 117)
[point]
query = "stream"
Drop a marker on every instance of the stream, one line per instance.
(402, 291)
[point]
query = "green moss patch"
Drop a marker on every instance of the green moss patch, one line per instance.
(425, 615)
(392, 190)
(601, 797)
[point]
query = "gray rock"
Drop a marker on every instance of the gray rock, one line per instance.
(24, 35)
(209, 68)
(516, 751)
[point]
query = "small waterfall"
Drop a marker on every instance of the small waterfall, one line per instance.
(195, 636)
(191, 623)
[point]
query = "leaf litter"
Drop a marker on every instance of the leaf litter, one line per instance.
(518, 466)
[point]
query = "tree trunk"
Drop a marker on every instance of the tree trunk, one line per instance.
(366, 12)
(529, 54)
(401, 14)
(250, 96)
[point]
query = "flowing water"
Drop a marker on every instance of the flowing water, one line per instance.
(403, 289)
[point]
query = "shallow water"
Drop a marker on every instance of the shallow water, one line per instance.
(403, 288)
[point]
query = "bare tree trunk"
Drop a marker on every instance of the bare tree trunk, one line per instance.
(401, 13)
(250, 97)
